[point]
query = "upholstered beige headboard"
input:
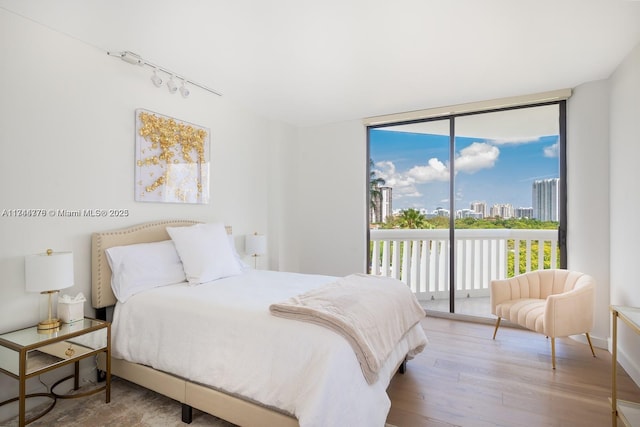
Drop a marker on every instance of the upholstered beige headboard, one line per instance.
(101, 293)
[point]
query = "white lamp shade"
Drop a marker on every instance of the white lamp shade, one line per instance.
(45, 272)
(255, 244)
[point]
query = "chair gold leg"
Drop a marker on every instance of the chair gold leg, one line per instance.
(496, 329)
(590, 345)
(553, 352)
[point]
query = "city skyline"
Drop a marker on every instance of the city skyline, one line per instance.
(417, 165)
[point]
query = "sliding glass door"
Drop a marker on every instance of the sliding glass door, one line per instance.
(467, 199)
(411, 165)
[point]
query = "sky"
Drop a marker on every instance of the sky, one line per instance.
(417, 167)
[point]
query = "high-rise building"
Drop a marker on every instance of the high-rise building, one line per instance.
(469, 213)
(479, 207)
(544, 198)
(504, 210)
(524, 212)
(387, 205)
(382, 205)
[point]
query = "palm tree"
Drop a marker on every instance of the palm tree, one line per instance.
(412, 218)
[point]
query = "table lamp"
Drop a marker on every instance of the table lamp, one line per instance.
(255, 245)
(47, 273)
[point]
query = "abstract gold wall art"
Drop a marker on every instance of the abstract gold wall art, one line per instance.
(172, 160)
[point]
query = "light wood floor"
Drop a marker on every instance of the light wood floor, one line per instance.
(464, 378)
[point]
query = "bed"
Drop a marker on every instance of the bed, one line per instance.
(253, 370)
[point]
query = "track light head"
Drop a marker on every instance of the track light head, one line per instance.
(157, 81)
(131, 58)
(184, 91)
(171, 85)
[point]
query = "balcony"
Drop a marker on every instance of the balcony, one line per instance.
(420, 258)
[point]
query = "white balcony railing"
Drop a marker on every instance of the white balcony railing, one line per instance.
(420, 258)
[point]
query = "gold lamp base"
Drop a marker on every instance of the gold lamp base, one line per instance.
(49, 325)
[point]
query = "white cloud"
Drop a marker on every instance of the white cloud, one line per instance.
(471, 159)
(387, 171)
(551, 150)
(477, 156)
(434, 170)
(403, 185)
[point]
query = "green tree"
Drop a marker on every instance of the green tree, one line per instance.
(439, 222)
(411, 218)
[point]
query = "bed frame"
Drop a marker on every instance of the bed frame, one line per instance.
(191, 395)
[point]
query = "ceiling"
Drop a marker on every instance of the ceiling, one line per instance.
(309, 62)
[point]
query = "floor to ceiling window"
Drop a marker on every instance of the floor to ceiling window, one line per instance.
(465, 198)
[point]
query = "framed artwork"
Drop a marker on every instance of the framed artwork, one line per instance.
(172, 160)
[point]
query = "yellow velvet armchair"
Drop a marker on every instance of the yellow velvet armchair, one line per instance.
(556, 303)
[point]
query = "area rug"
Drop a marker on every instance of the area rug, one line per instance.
(131, 406)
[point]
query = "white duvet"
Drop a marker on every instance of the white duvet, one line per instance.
(222, 334)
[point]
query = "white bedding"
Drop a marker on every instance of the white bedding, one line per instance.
(221, 334)
(372, 312)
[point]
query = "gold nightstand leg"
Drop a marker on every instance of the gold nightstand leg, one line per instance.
(108, 384)
(614, 368)
(22, 389)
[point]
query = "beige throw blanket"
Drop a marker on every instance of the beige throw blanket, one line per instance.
(373, 313)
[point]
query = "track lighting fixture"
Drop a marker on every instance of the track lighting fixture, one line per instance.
(184, 91)
(171, 85)
(136, 59)
(131, 58)
(157, 81)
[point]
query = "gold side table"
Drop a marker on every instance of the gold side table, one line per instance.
(26, 353)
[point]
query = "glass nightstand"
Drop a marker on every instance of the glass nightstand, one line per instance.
(26, 353)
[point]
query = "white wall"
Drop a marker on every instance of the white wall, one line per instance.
(283, 168)
(67, 142)
(331, 216)
(588, 194)
(625, 199)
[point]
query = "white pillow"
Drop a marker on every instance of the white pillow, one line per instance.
(243, 265)
(205, 251)
(143, 266)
